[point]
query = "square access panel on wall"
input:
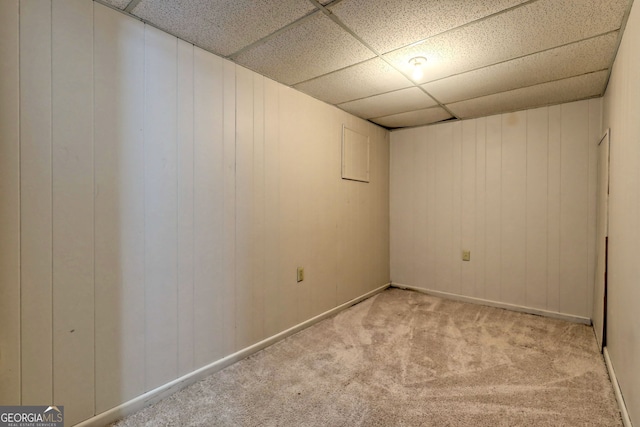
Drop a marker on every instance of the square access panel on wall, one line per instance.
(355, 155)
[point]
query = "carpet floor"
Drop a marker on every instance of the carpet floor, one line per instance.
(403, 358)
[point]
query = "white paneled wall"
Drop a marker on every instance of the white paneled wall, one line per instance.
(156, 201)
(622, 117)
(517, 190)
(9, 204)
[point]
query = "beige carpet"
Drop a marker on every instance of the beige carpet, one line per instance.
(403, 358)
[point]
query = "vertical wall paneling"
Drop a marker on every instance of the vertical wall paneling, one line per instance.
(479, 255)
(244, 208)
(493, 211)
(9, 204)
(421, 216)
(35, 202)
(208, 207)
(504, 187)
(443, 235)
(430, 254)
(72, 197)
(161, 200)
(384, 139)
(228, 292)
(468, 207)
(536, 219)
(157, 200)
(553, 208)
(118, 207)
(305, 241)
(272, 214)
(513, 210)
(325, 149)
(185, 159)
(573, 209)
(401, 217)
(258, 239)
(595, 134)
(288, 206)
(456, 232)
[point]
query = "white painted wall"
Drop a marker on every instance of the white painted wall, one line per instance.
(517, 189)
(622, 115)
(155, 202)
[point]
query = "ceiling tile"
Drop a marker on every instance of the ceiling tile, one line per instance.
(222, 26)
(389, 103)
(315, 47)
(535, 26)
(413, 118)
(390, 24)
(120, 4)
(556, 92)
(555, 64)
(368, 78)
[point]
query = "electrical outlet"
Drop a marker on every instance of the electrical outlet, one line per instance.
(300, 276)
(466, 255)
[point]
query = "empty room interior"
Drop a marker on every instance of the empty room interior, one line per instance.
(317, 212)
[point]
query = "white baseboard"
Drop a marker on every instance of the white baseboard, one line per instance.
(168, 389)
(616, 389)
(513, 307)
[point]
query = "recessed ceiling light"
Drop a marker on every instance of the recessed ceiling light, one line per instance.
(417, 63)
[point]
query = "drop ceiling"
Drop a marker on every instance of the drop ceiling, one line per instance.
(483, 56)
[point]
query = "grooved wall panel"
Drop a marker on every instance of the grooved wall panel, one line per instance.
(536, 209)
(228, 290)
(468, 205)
(245, 208)
(119, 208)
(10, 203)
(208, 207)
(512, 188)
(160, 209)
(186, 230)
(72, 206)
(479, 224)
(553, 208)
(35, 203)
(258, 215)
(493, 212)
(574, 184)
(271, 277)
(513, 208)
(289, 120)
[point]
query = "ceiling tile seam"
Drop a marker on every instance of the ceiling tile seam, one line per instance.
(132, 4)
(374, 95)
(441, 104)
(528, 86)
(623, 26)
(337, 20)
(403, 112)
(268, 37)
(112, 7)
(515, 110)
(396, 113)
(515, 58)
(466, 24)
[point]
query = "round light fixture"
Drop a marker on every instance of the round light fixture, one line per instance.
(417, 63)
